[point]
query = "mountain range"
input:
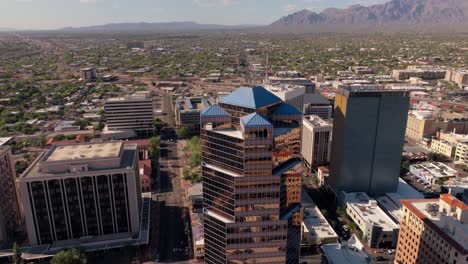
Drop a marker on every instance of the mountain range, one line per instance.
(163, 26)
(394, 12)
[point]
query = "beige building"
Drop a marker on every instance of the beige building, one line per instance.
(10, 213)
(443, 147)
(86, 193)
(422, 125)
(316, 141)
(458, 76)
(461, 153)
(433, 231)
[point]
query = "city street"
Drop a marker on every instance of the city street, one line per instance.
(175, 240)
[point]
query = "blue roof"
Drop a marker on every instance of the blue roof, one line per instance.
(250, 97)
(287, 109)
(214, 111)
(255, 120)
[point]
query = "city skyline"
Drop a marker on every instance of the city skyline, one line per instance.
(54, 14)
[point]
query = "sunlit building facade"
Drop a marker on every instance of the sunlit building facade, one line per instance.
(251, 179)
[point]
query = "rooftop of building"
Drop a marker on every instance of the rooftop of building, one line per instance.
(197, 103)
(369, 211)
(445, 222)
(283, 88)
(315, 99)
(390, 202)
(250, 97)
(5, 140)
(313, 221)
(85, 151)
(138, 96)
(435, 169)
(348, 252)
(94, 157)
(369, 91)
(316, 121)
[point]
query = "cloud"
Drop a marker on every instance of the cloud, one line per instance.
(88, 1)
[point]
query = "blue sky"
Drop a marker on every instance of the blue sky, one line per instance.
(51, 14)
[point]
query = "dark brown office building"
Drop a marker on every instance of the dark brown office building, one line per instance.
(251, 179)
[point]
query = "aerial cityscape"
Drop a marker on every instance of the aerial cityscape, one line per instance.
(234, 131)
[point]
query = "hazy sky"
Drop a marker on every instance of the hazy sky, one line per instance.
(51, 14)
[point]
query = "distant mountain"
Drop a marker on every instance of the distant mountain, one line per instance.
(6, 29)
(394, 12)
(144, 26)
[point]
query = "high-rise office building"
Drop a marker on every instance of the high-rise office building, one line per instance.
(368, 137)
(316, 141)
(82, 193)
(251, 179)
(10, 214)
(433, 231)
(133, 113)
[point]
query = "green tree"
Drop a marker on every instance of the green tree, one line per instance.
(182, 133)
(40, 141)
(69, 256)
(406, 164)
(159, 124)
(82, 123)
(16, 254)
(154, 146)
(20, 166)
(433, 156)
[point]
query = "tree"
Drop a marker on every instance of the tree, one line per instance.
(182, 133)
(40, 141)
(154, 146)
(159, 124)
(433, 156)
(406, 164)
(69, 256)
(82, 123)
(16, 254)
(20, 166)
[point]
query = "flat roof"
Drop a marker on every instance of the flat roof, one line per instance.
(369, 211)
(85, 151)
(313, 221)
(5, 140)
(350, 252)
(450, 226)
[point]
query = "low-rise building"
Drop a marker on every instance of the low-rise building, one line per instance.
(443, 147)
(423, 125)
(433, 231)
(351, 251)
(316, 141)
(317, 104)
(433, 172)
(315, 228)
(461, 154)
(292, 94)
(88, 74)
(424, 73)
(379, 230)
(323, 172)
(145, 175)
(188, 111)
(458, 76)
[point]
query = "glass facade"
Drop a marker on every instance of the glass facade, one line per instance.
(251, 191)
